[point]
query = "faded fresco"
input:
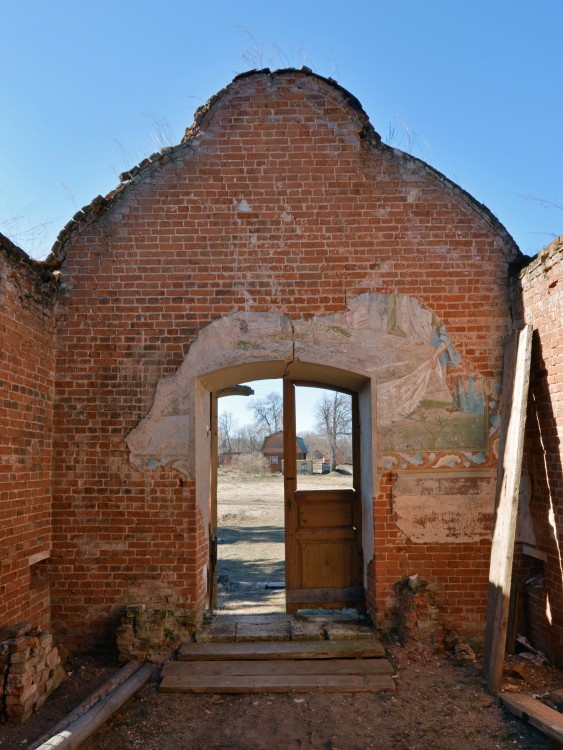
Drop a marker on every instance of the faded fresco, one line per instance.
(429, 398)
(434, 411)
(433, 400)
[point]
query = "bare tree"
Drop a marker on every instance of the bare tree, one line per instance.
(227, 426)
(333, 419)
(268, 412)
(249, 439)
(317, 445)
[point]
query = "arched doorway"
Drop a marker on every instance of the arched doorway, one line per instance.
(391, 351)
(328, 533)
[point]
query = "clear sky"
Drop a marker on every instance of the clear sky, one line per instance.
(305, 400)
(89, 89)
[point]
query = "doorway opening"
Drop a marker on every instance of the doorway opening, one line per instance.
(250, 504)
(286, 520)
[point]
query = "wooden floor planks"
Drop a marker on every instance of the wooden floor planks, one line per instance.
(280, 666)
(261, 678)
(351, 649)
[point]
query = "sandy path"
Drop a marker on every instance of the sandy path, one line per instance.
(250, 536)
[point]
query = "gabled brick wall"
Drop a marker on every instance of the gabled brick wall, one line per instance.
(281, 198)
(27, 368)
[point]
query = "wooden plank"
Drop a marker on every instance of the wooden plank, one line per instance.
(539, 554)
(212, 572)
(349, 649)
(513, 624)
(292, 572)
(272, 683)
(357, 476)
(282, 667)
(235, 390)
(311, 596)
(515, 397)
(546, 719)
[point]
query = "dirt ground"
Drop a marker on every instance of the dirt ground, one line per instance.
(437, 704)
(250, 539)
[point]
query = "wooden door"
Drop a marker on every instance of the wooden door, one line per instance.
(323, 553)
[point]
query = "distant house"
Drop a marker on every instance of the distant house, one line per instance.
(273, 450)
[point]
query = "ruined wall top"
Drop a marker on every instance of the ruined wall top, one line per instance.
(251, 83)
(42, 276)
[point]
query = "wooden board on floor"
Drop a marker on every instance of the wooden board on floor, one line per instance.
(277, 683)
(353, 649)
(547, 720)
(281, 667)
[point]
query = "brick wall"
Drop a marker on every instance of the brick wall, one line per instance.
(280, 198)
(458, 573)
(540, 292)
(27, 366)
(30, 670)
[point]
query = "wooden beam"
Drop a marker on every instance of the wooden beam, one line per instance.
(281, 667)
(291, 511)
(547, 720)
(75, 733)
(272, 683)
(108, 686)
(513, 421)
(349, 649)
(212, 569)
(234, 390)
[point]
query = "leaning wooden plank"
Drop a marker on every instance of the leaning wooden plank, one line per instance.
(353, 649)
(546, 719)
(515, 396)
(278, 684)
(283, 666)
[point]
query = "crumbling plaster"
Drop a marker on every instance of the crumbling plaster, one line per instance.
(378, 347)
(431, 508)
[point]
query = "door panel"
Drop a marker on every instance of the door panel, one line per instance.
(323, 557)
(328, 508)
(328, 564)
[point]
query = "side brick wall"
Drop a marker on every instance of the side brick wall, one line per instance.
(27, 365)
(541, 302)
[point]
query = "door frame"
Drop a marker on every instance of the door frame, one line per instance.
(205, 425)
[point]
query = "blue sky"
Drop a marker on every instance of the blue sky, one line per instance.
(87, 90)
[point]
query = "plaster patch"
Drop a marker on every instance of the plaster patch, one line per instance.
(427, 396)
(439, 509)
